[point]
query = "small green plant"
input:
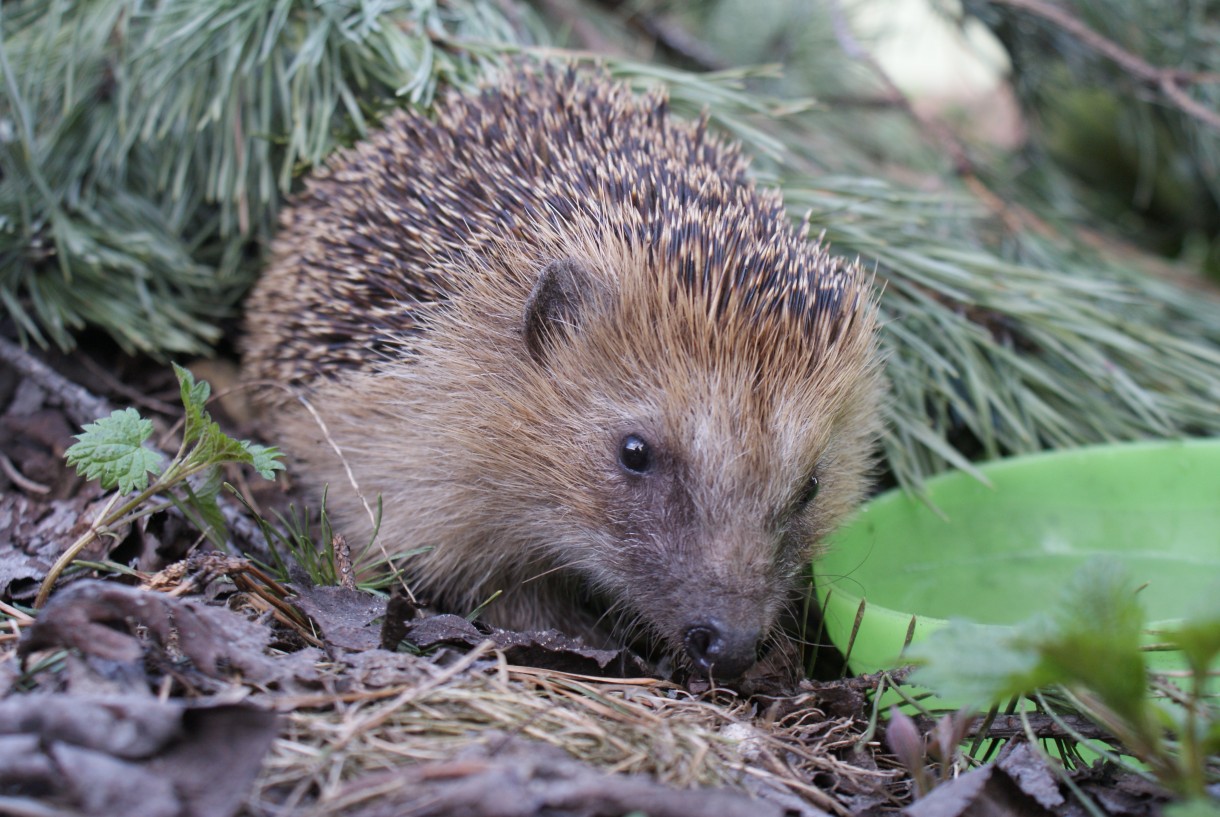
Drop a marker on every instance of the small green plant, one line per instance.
(320, 553)
(1089, 647)
(111, 450)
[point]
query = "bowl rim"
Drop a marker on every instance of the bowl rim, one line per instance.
(895, 619)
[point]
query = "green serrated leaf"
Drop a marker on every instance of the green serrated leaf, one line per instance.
(1209, 741)
(1195, 807)
(264, 459)
(111, 451)
(1093, 637)
(194, 399)
(214, 447)
(226, 448)
(1198, 635)
(211, 446)
(976, 665)
(1090, 637)
(209, 486)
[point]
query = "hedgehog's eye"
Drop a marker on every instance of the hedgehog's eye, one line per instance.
(808, 493)
(635, 454)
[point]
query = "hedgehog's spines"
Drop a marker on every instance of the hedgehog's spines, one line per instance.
(380, 231)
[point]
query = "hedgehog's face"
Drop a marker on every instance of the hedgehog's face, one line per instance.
(699, 483)
(707, 547)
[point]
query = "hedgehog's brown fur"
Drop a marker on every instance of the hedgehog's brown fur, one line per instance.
(481, 308)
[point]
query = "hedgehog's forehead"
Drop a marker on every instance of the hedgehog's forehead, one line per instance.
(733, 394)
(768, 305)
(758, 353)
(738, 267)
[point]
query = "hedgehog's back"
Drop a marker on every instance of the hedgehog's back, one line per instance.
(390, 224)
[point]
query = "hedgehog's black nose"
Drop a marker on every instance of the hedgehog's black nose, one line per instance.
(720, 651)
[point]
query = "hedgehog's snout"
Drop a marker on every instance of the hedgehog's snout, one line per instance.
(721, 651)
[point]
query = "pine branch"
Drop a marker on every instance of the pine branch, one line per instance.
(990, 356)
(153, 143)
(1168, 81)
(151, 146)
(1121, 99)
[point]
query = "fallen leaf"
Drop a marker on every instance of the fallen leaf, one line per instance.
(1029, 771)
(545, 649)
(123, 726)
(985, 792)
(347, 619)
(100, 756)
(116, 623)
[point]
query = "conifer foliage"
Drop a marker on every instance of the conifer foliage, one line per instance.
(145, 146)
(146, 143)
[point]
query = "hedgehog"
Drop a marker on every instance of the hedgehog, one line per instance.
(583, 359)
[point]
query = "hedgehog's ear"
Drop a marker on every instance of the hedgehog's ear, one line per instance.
(561, 295)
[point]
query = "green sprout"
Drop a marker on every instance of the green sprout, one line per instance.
(1089, 646)
(111, 450)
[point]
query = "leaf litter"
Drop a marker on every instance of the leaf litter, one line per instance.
(450, 724)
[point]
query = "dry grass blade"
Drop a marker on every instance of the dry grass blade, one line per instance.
(637, 726)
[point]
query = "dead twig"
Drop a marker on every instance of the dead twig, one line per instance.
(118, 387)
(670, 35)
(81, 405)
(21, 480)
(20, 618)
(1042, 726)
(937, 134)
(678, 41)
(1168, 81)
(577, 22)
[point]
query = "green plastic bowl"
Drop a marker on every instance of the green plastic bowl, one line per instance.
(997, 554)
